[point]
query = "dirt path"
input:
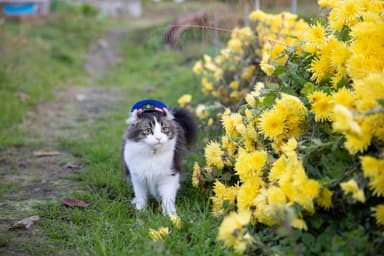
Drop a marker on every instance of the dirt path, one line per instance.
(31, 179)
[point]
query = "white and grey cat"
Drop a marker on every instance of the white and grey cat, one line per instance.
(154, 144)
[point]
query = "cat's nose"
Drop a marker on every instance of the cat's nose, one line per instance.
(158, 139)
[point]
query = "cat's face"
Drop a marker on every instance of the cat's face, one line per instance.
(154, 129)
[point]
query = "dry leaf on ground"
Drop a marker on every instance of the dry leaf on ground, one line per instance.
(73, 202)
(25, 223)
(41, 153)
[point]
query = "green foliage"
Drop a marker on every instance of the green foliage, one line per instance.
(37, 57)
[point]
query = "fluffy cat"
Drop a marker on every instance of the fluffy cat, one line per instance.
(154, 143)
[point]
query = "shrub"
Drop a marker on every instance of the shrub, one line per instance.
(304, 152)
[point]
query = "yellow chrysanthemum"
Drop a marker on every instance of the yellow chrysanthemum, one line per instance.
(327, 3)
(230, 121)
(373, 169)
(198, 68)
(234, 85)
(346, 13)
(299, 223)
(249, 165)
(196, 175)
(176, 221)
(248, 192)
(343, 121)
(272, 123)
(324, 199)
(344, 97)
(229, 146)
(235, 45)
(158, 234)
(201, 111)
(311, 188)
(277, 169)
(358, 143)
(207, 86)
(351, 187)
(321, 105)
(248, 73)
(378, 213)
(222, 194)
(184, 100)
(315, 35)
(214, 155)
(320, 68)
(276, 195)
(233, 232)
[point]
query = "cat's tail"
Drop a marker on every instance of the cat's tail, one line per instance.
(187, 122)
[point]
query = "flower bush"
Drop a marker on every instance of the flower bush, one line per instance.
(303, 129)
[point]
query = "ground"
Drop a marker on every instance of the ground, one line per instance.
(31, 179)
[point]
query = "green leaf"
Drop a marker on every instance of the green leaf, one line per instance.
(381, 102)
(308, 88)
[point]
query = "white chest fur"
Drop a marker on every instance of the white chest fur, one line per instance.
(147, 161)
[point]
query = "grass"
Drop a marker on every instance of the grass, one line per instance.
(37, 57)
(110, 226)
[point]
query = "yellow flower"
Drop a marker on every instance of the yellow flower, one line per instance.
(198, 68)
(345, 13)
(248, 192)
(230, 121)
(210, 122)
(247, 74)
(320, 68)
(257, 15)
(277, 169)
(343, 120)
(184, 100)
(250, 164)
(222, 194)
(299, 223)
(316, 35)
(344, 97)
(324, 199)
(327, 3)
(176, 221)
(229, 146)
(311, 188)
(234, 85)
(373, 170)
(202, 111)
(233, 232)
(276, 195)
(351, 187)
(235, 45)
(272, 123)
(355, 143)
(321, 105)
(207, 86)
(158, 234)
(289, 147)
(378, 213)
(196, 175)
(214, 155)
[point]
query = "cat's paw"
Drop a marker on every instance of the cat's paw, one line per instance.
(139, 203)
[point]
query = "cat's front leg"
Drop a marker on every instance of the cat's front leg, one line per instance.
(168, 190)
(141, 192)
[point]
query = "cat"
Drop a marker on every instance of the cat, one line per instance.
(154, 143)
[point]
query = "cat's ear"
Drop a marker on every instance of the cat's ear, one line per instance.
(168, 114)
(132, 118)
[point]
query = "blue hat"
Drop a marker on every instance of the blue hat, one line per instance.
(149, 105)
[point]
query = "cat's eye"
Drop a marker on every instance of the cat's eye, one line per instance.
(147, 131)
(165, 129)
